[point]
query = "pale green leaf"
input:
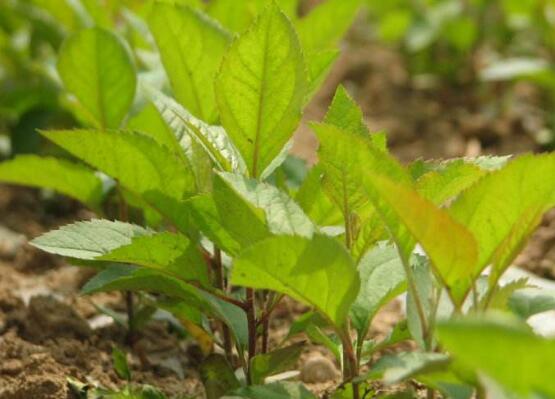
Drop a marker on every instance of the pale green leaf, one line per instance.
(96, 67)
(191, 47)
(136, 161)
(282, 215)
(509, 354)
(449, 245)
(318, 272)
(530, 301)
(90, 239)
(324, 26)
(261, 87)
(186, 128)
(503, 209)
(405, 365)
(63, 176)
(382, 278)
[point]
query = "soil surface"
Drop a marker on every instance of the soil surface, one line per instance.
(48, 332)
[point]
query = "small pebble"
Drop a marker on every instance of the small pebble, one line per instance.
(318, 369)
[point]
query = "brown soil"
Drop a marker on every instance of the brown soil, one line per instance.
(45, 333)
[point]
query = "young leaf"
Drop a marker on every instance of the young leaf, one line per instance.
(118, 278)
(260, 89)
(346, 114)
(136, 161)
(449, 245)
(63, 176)
(96, 67)
(402, 366)
(318, 65)
(318, 272)
(508, 353)
(382, 278)
(344, 158)
(119, 358)
(266, 364)
(191, 47)
(90, 239)
(503, 209)
(530, 301)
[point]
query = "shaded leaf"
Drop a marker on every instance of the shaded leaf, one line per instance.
(266, 364)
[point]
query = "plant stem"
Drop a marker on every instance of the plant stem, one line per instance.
(221, 284)
(350, 361)
(413, 291)
(130, 308)
(251, 320)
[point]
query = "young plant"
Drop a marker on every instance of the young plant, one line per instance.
(223, 245)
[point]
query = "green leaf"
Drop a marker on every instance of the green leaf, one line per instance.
(503, 209)
(186, 127)
(119, 358)
(96, 67)
(449, 245)
(238, 15)
(318, 272)
(344, 158)
(119, 278)
(260, 89)
(508, 353)
(217, 376)
(314, 202)
(382, 278)
(191, 47)
(276, 390)
(266, 364)
(396, 368)
(447, 180)
(530, 301)
(346, 114)
(324, 26)
(136, 161)
(205, 217)
(90, 239)
(170, 253)
(63, 176)
(150, 123)
(282, 215)
(318, 63)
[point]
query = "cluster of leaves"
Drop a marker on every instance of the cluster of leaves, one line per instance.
(211, 224)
